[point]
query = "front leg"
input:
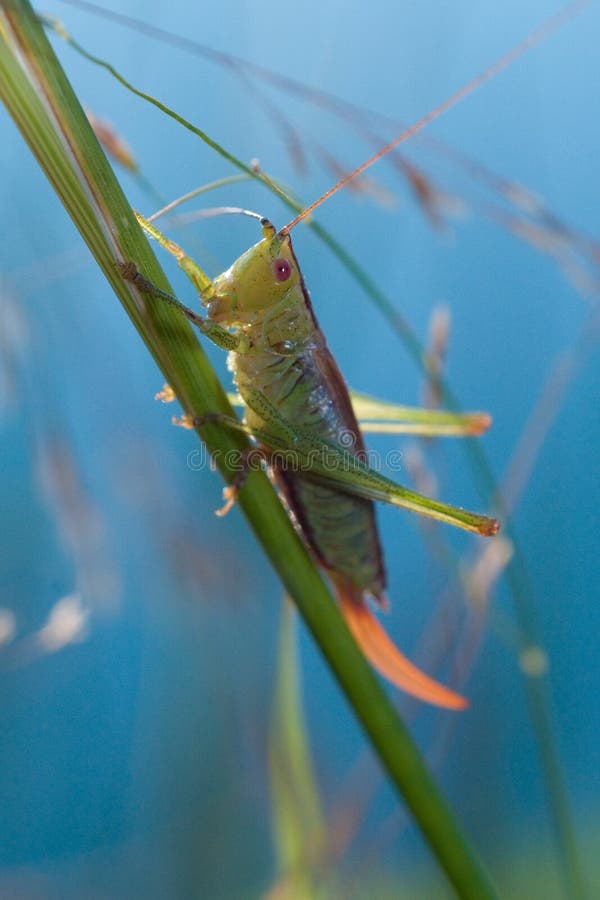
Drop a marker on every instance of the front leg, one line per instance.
(218, 335)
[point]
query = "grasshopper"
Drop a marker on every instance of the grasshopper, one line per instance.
(298, 409)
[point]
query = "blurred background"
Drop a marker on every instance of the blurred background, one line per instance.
(143, 747)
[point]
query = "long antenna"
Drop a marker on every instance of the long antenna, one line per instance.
(552, 24)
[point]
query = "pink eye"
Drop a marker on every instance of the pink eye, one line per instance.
(282, 269)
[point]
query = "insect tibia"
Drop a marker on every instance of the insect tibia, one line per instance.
(130, 272)
(219, 336)
(199, 279)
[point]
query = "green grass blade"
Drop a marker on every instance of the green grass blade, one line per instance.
(298, 826)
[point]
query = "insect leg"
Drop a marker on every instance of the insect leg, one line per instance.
(197, 276)
(267, 438)
(218, 335)
(382, 417)
(248, 459)
(325, 461)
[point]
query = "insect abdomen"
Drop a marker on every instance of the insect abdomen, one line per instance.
(309, 392)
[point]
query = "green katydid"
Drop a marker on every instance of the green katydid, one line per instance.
(298, 409)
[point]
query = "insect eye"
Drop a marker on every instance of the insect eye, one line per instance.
(282, 269)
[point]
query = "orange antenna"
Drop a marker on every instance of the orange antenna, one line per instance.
(552, 24)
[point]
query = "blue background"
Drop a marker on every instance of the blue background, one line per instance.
(132, 763)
